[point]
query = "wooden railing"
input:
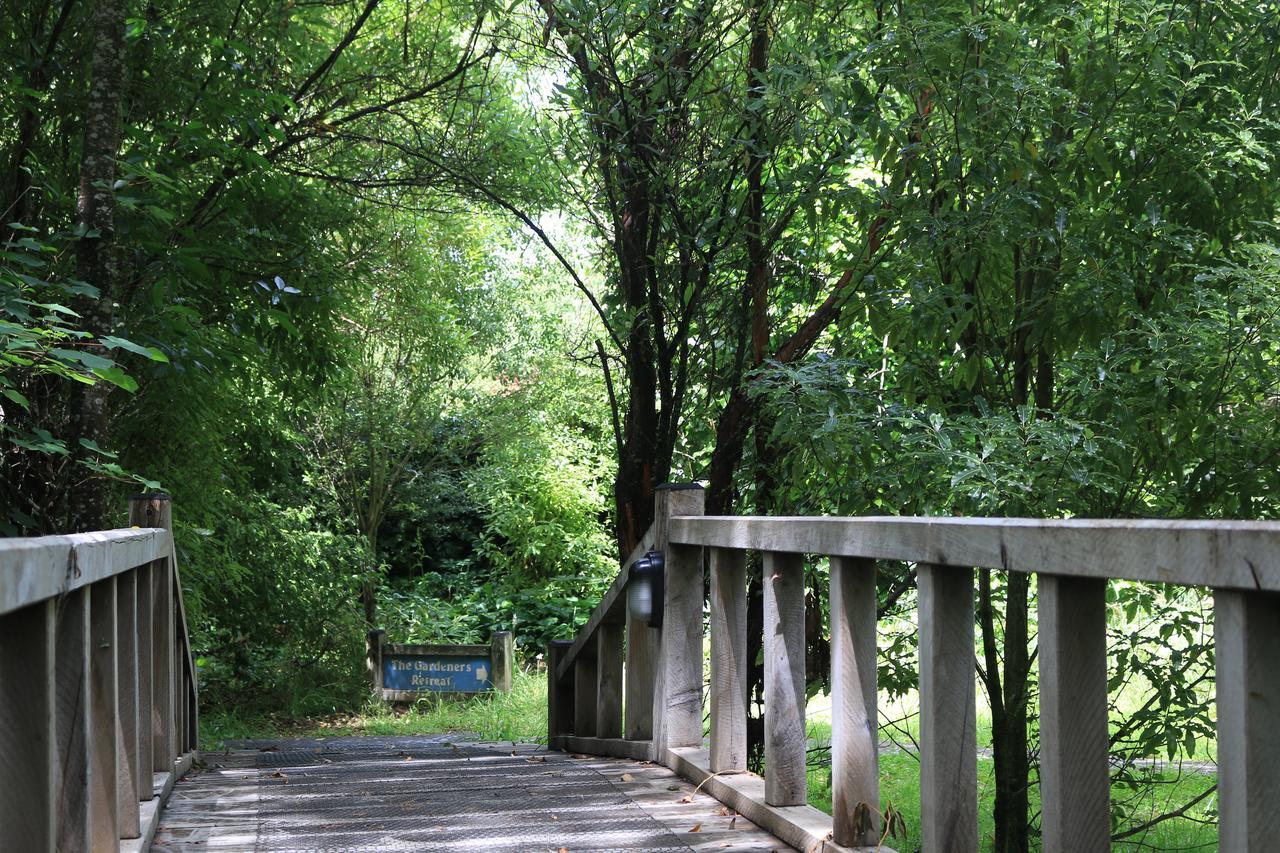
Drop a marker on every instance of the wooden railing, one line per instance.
(1239, 561)
(97, 685)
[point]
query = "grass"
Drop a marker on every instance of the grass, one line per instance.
(521, 715)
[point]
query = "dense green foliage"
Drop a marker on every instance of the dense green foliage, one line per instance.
(410, 306)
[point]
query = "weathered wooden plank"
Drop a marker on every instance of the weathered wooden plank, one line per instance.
(784, 698)
(71, 720)
(728, 661)
(127, 691)
(948, 698)
(1074, 761)
(162, 645)
(855, 774)
(1220, 554)
(1247, 638)
(104, 826)
(609, 681)
(677, 716)
(642, 649)
(33, 569)
(584, 697)
(28, 755)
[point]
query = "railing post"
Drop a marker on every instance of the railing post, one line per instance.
(127, 690)
(677, 700)
(559, 695)
(855, 740)
(1074, 769)
(728, 661)
(785, 782)
(1247, 638)
(157, 511)
(71, 720)
(104, 701)
(502, 653)
(948, 699)
(28, 754)
(609, 680)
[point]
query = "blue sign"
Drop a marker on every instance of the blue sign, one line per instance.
(436, 672)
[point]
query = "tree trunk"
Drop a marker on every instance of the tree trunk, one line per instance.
(96, 262)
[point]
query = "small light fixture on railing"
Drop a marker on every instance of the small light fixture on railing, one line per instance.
(646, 588)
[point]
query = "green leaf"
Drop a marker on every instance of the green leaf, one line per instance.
(112, 342)
(117, 376)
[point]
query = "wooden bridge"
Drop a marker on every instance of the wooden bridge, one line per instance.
(98, 698)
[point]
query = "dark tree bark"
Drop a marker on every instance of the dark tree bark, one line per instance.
(96, 262)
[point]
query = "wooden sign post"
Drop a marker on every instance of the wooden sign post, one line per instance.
(404, 672)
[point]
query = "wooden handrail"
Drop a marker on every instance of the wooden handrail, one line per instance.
(1238, 560)
(98, 702)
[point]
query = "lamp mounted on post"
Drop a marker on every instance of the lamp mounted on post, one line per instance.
(646, 588)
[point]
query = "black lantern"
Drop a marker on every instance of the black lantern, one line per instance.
(646, 588)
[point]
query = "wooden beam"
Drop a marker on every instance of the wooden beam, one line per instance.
(948, 698)
(728, 661)
(1219, 554)
(1247, 637)
(1074, 762)
(855, 735)
(33, 569)
(785, 739)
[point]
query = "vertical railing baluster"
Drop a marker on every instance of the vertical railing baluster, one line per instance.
(728, 660)
(162, 666)
(609, 680)
(584, 697)
(559, 695)
(637, 686)
(948, 699)
(785, 739)
(1074, 769)
(1247, 655)
(855, 775)
(71, 720)
(127, 690)
(678, 693)
(28, 740)
(104, 826)
(145, 642)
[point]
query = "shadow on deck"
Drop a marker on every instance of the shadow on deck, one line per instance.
(432, 793)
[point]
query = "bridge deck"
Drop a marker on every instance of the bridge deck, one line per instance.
(432, 793)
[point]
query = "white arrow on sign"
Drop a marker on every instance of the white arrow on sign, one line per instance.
(482, 673)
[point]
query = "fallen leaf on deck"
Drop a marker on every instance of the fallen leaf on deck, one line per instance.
(697, 827)
(627, 777)
(555, 817)
(686, 799)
